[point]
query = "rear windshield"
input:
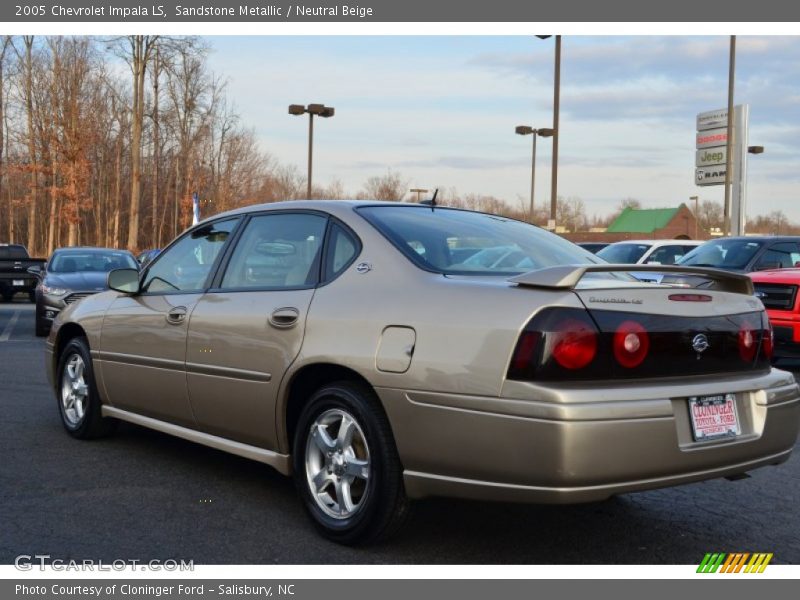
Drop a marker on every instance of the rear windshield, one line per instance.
(13, 252)
(623, 254)
(78, 261)
(458, 242)
(723, 254)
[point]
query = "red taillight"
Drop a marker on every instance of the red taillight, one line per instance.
(575, 344)
(768, 343)
(631, 344)
(747, 342)
(690, 298)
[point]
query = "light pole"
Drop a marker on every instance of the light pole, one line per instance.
(319, 110)
(696, 213)
(726, 224)
(543, 132)
(556, 131)
(743, 195)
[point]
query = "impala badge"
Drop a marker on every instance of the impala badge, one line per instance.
(363, 267)
(700, 343)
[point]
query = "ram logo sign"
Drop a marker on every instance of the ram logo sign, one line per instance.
(709, 175)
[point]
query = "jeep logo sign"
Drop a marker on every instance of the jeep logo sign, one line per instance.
(710, 156)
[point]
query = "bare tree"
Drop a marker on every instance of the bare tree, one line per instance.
(710, 214)
(155, 75)
(4, 45)
(137, 50)
(391, 187)
(32, 158)
(571, 213)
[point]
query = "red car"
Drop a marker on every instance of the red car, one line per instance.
(777, 289)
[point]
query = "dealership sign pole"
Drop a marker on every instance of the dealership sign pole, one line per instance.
(711, 158)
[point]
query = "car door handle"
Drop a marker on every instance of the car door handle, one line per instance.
(284, 317)
(176, 315)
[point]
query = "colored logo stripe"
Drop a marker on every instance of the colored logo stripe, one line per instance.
(711, 562)
(735, 562)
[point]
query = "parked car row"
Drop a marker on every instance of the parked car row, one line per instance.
(382, 352)
(69, 275)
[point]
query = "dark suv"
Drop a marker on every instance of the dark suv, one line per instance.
(741, 255)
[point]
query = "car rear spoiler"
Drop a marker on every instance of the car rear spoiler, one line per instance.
(567, 276)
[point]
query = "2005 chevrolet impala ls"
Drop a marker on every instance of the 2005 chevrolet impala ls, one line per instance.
(381, 352)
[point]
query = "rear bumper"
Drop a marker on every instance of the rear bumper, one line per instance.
(7, 285)
(577, 445)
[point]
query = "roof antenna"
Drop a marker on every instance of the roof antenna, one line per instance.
(432, 201)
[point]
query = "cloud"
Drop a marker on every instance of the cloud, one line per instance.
(442, 111)
(466, 162)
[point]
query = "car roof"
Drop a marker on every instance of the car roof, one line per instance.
(761, 238)
(660, 242)
(88, 249)
(335, 207)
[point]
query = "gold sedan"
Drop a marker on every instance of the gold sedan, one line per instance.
(381, 352)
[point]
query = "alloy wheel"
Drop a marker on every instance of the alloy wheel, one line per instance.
(337, 464)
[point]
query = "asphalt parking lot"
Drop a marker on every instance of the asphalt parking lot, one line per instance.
(144, 495)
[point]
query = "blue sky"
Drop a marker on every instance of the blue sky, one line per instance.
(441, 111)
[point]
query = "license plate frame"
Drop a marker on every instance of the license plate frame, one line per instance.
(714, 417)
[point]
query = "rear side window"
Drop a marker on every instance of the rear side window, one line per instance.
(277, 251)
(460, 242)
(342, 251)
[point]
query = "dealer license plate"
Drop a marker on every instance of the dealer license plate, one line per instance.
(19, 282)
(714, 417)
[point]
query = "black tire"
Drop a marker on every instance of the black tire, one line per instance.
(42, 326)
(32, 297)
(383, 506)
(90, 424)
(8, 296)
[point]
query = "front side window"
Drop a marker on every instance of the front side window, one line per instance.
(277, 251)
(185, 266)
(460, 242)
(623, 253)
(780, 256)
(666, 255)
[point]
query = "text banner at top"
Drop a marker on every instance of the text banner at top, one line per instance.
(466, 11)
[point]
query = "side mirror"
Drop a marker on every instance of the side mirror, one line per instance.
(124, 280)
(35, 270)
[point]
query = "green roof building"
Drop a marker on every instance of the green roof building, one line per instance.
(643, 220)
(647, 223)
(654, 223)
